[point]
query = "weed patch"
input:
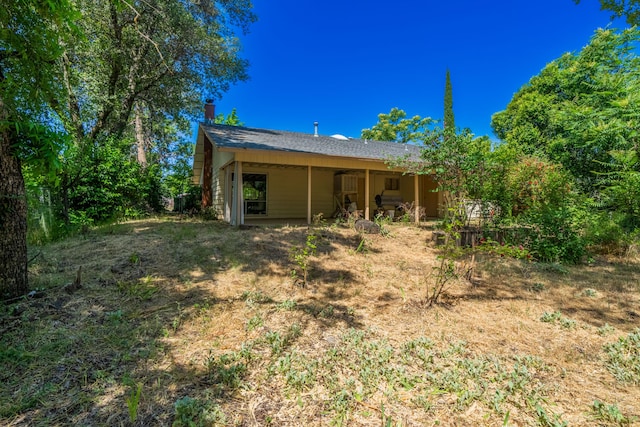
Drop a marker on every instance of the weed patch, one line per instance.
(623, 358)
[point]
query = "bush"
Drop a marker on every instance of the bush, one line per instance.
(541, 202)
(189, 201)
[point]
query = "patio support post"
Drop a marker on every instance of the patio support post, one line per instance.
(238, 202)
(228, 185)
(367, 214)
(416, 190)
(309, 194)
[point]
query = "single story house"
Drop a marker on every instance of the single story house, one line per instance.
(253, 176)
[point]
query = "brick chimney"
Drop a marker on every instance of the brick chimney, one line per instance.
(209, 112)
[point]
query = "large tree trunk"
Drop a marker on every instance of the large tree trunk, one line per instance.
(13, 219)
(141, 145)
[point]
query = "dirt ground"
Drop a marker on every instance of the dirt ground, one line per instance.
(206, 311)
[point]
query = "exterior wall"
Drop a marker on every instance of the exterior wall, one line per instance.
(218, 179)
(322, 192)
(429, 198)
(286, 191)
(287, 185)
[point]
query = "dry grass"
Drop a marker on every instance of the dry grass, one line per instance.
(207, 319)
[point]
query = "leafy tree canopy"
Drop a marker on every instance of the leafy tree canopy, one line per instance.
(629, 9)
(395, 126)
(31, 33)
(167, 55)
(231, 119)
(579, 108)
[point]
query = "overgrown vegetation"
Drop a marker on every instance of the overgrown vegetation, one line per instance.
(210, 331)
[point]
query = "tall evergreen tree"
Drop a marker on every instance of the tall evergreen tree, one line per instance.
(449, 120)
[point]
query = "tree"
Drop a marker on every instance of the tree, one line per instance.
(231, 119)
(579, 108)
(31, 32)
(396, 127)
(630, 9)
(449, 120)
(141, 66)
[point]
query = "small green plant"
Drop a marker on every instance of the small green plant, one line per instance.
(327, 312)
(142, 290)
(623, 358)
(134, 258)
(557, 318)
(546, 420)
(318, 220)
(301, 257)
(254, 323)
(589, 292)
(605, 329)
(287, 305)
(275, 340)
(177, 321)
(133, 400)
(567, 323)
(192, 412)
(454, 262)
(255, 297)
(228, 369)
(551, 317)
(114, 316)
(209, 214)
(609, 414)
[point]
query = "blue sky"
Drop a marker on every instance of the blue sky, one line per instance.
(341, 63)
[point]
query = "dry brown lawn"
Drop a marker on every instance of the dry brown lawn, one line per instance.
(208, 320)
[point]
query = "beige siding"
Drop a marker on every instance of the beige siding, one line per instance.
(286, 191)
(429, 198)
(218, 179)
(407, 190)
(322, 192)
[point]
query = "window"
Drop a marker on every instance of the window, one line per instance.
(254, 193)
(392, 184)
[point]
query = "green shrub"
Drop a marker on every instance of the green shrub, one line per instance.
(539, 200)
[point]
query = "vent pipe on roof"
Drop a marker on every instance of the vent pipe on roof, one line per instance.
(209, 112)
(315, 127)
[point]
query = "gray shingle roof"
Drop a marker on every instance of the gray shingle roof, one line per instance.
(236, 137)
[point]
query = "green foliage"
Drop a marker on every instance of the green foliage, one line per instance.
(231, 119)
(454, 261)
(449, 118)
(255, 322)
(557, 318)
(623, 358)
(192, 412)
(629, 9)
(110, 185)
(579, 108)
(539, 199)
(458, 164)
(622, 187)
(396, 127)
(301, 257)
(132, 402)
(610, 414)
(32, 34)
